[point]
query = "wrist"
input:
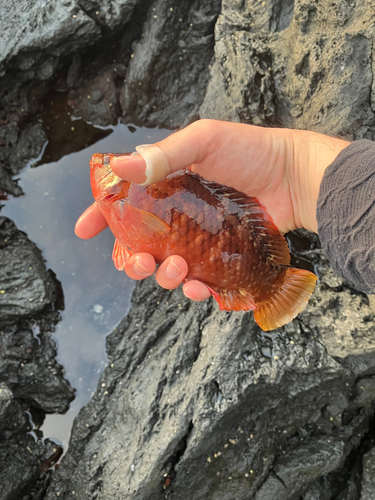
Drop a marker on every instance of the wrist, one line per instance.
(312, 154)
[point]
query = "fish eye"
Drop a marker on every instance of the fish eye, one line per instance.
(106, 160)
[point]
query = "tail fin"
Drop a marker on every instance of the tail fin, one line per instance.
(290, 299)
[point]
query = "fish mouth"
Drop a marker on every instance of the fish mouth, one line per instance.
(103, 180)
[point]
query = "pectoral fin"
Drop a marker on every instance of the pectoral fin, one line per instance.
(120, 255)
(139, 227)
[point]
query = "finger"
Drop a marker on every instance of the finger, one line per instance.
(171, 273)
(196, 290)
(90, 223)
(180, 150)
(140, 266)
(130, 168)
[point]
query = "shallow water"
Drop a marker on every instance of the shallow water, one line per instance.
(97, 296)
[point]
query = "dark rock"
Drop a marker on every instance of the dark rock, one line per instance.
(192, 392)
(275, 62)
(368, 480)
(37, 40)
(19, 147)
(168, 72)
(30, 377)
(97, 102)
(26, 460)
(26, 287)
(29, 367)
(27, 352)
(29, 31)
(109, 14)
(74, 76)
(29, 146)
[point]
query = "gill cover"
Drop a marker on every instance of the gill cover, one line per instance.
(103, 180)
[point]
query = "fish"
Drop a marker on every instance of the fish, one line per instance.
(227, 238)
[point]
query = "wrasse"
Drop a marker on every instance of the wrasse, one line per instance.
(226, 237)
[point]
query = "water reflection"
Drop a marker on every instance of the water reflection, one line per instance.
(97, 296)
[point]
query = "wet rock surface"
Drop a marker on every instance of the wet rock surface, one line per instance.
(199, 403)
(26, 287)
(25, 458)
(168, 72)
(295, 64)
(368, 483)
(39, 42)
(18, 148)
(31, 380)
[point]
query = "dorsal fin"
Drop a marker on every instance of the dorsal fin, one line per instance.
(257, 217)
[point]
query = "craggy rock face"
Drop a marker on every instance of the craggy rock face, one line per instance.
(195, 403)
(31, 380)
(192, 392)
(295, 64)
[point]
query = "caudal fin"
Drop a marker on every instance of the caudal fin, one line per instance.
(290, 300)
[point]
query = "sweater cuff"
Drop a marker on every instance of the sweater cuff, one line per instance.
(346, 214)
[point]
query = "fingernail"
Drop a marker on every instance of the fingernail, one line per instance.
(172, 271)
(123, 157)
(157, 166)
(139, 269)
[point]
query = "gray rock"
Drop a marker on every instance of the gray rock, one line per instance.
(18, 148)
(29, 29)
(37, 39)
(168, 72)
(27, 352)
(109, 13)
(26, 460)
(26, 287)
(29, 367)
(368, 480)
(192, 392)
(30, 377)
(97, 101)
(294, 64)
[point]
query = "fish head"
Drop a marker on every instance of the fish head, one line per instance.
(104, 182)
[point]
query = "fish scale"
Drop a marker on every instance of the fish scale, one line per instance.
(226, 237)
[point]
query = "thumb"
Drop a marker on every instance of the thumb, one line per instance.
(153, 162)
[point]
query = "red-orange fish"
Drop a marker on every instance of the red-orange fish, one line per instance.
(227, 238)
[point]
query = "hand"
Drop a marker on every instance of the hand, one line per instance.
(283, 168)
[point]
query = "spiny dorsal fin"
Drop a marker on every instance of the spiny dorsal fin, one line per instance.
(257, 218)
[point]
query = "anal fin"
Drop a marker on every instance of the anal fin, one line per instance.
(120, 255)
(233, 300)
(290, 299)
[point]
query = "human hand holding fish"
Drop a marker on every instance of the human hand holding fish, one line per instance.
(282, 168)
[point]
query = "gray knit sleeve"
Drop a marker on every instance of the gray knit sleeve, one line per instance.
(346, 214)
